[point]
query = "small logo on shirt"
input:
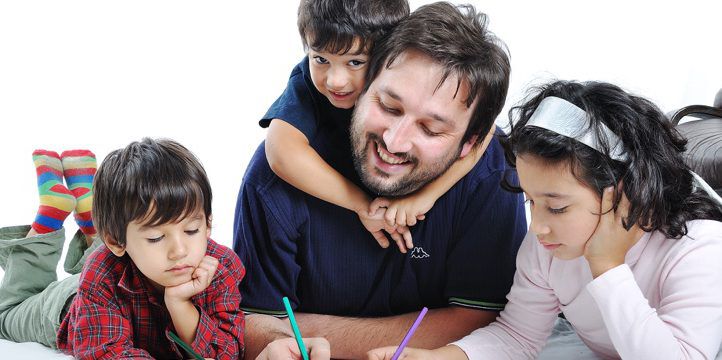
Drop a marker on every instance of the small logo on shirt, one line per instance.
(419, 253)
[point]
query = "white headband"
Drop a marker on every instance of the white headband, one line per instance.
(565, 118)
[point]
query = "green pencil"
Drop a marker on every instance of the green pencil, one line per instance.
(185, 346)
(294, 326)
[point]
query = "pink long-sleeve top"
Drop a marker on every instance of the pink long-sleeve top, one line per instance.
(665, 302)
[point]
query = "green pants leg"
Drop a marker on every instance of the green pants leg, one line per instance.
(31, 298)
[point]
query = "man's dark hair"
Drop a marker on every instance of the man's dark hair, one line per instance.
(153, 181)
(333, 25)
(456, 38)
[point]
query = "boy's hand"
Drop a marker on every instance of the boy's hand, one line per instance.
(376, 224)
(287, 348)
(405, 210)
(200, 279)
(608, 245)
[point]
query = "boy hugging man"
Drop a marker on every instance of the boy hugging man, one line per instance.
(159, 271)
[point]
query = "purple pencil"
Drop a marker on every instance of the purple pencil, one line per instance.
(409, 334)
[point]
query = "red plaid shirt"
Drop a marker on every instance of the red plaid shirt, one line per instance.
(115, 315)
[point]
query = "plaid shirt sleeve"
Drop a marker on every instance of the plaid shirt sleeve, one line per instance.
(221, 325)
(99, 330)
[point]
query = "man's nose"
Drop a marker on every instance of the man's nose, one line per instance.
(398, 136)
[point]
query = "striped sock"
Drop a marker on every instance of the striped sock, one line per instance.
(79, 169)
(56, 201)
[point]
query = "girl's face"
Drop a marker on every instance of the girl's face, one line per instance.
(564, 212)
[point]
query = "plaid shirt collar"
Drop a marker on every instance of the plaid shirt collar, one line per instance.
(134, 282)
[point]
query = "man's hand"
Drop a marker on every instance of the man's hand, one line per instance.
(287, 348)
(200, 279)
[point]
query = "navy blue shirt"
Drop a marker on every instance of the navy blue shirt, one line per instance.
(321, 257)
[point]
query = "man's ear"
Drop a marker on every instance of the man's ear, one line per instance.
(113, 246)
(468, 145)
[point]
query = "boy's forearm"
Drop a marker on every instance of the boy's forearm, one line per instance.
(296, 162)
(351, 338)
(458, 169)
(185, 319)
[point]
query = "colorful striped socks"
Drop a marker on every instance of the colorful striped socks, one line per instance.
(56, 201)
(79, 169)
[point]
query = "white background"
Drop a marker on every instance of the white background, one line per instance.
(99, 74)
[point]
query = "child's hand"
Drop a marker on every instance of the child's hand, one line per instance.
(386, 353)
(200, 279)
(376, 224)
(609, 243)
(287, 348)
(404, 211)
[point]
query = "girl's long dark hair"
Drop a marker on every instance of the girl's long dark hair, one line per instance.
(654, 176)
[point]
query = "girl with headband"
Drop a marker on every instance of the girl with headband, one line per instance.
(624, 239)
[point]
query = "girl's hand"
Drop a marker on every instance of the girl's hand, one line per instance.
(375, 224)
(200, 279)
(406, 210)
(609, 243)
(449, 352)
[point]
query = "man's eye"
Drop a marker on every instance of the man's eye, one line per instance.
(428, 131)
(389, 110)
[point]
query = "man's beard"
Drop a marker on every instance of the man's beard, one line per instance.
(419, 175)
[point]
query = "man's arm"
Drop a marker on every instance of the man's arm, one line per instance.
(352, 338)
(261, 330)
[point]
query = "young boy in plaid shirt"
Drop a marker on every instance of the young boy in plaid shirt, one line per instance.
(158, 272)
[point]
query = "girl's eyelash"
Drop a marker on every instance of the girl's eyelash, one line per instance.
(191, 232)
(557, 211)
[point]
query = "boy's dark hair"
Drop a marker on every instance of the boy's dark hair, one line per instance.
(154, 181)
(333, 25)
(456, 38)
(654, 176)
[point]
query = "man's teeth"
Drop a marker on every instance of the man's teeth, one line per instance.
(387, 158)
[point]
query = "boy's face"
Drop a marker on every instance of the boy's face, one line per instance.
(167, 254)
(340, 78)
(563, 210)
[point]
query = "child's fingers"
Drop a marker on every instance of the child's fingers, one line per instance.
(406, 234)
(210, 264)
(607, 204)
(378, 203)
(390, 215)
(421, 217)
(410, 220)
(623, 208)
(401, 218)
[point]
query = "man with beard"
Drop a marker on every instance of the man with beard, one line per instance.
(434, 89)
